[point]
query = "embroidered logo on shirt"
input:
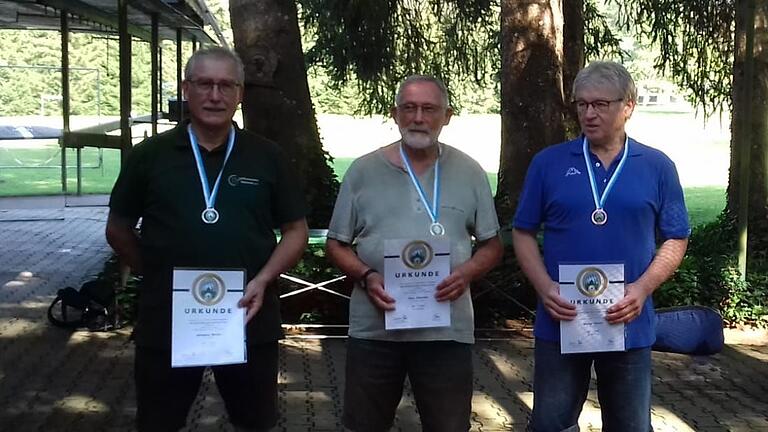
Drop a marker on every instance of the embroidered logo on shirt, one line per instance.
(235, 180)
(572, 171)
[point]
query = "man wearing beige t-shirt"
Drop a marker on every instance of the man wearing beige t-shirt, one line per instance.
(413, 189)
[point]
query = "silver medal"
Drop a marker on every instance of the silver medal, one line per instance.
(210, 216)
(437, 229)
(599, 217)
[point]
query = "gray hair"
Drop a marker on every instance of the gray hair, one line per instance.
(217, 53)
(606, 73)
(423, 78)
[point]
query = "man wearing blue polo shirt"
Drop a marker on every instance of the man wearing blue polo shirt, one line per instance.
(600, 198)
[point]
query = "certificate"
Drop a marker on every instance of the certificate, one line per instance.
(592, 288)
(207, 327)
(412, 270)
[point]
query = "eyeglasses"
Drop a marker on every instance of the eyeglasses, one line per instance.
(226, 88)
(426, 109)
(599, 106)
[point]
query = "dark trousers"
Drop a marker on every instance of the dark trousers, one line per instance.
(440, 373)
(164, 395)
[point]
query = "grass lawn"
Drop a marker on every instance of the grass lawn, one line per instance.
(704, 203)
(25, 171)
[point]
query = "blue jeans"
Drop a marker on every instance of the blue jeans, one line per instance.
(561, 382)
(440, 373)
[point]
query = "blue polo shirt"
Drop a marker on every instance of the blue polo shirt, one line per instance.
(646, 204)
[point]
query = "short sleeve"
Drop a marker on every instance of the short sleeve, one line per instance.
(486, 221)
(344, 218)
(129, 192)
(673, 219)
(529, 213)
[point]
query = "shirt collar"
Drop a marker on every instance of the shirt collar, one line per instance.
(575, 146)
(182, 137)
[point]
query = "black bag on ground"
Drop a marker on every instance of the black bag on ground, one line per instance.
(695, 330)
(90, 307)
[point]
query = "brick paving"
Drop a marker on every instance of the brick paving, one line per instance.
(56, 380)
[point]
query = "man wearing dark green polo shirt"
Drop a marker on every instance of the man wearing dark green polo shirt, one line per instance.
(209, 196)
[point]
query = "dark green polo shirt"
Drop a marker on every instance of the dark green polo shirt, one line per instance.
(160, 184)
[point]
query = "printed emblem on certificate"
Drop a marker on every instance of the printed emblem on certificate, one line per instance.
(207, 327)
(412, 270)
(592, 288)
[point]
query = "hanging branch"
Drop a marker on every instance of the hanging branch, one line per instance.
(695, 39)
(376, 43)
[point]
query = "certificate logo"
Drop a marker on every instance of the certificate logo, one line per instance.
(208, 289)
(417, 254)
(591, 282)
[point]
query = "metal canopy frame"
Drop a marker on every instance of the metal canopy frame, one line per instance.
(102, 16)
(148, 20)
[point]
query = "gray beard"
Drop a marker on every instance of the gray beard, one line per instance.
(416, 140)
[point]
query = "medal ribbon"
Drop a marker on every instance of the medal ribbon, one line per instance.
(208, 194)
(600, 201)
(434, 211)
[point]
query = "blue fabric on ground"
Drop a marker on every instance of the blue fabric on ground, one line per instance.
(696, 330)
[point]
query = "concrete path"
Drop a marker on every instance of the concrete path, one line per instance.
(57, 380)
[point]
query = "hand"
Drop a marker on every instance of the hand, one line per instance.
(452, 287)
(374, 284)
(253, 298)
(629, 307)
(557, 307)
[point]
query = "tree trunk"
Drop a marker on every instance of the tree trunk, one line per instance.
(532, 98)
(573, 61)
(277, 102)
(757, 128)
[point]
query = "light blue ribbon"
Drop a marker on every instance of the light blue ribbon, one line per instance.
(208, 194)
(434, 212)
(600, 200)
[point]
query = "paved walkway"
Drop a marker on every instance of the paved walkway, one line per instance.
(56, 380)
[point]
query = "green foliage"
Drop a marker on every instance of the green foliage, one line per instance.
(600, 39)
(362, 49)
(695, 41)
(456, 40)
(375, 43)
(709, 276)
(313, 264)
(314, 307)
(94, 74)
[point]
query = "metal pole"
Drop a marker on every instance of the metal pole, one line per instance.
(160, 74)
(155, 80)
(65, 109)
(98, 114)
(746, 134)
(125, 80)
(179, 102)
